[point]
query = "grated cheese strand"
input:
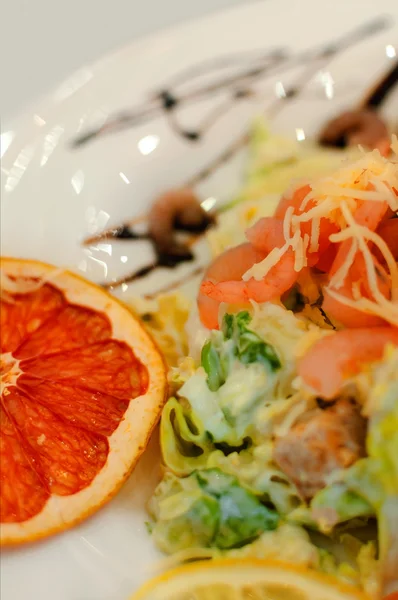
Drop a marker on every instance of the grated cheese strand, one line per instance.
(356, 290)
(339, 277)
(287, 223)
(259, 270)
(382, 246)
(306, 241)
(315, 230)
(297, 245)
(357, 230)
(388, 194)
(306, 200)
(342, 192)
(321, 210)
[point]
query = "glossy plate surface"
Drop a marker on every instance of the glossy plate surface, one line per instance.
(188, 95)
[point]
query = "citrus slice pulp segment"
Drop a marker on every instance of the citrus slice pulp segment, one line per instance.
(26, 313)
(108, 367)
(72, 327)
(90, 410)
(82, 387)
(66, 458)
(244, 579)
(22, 493)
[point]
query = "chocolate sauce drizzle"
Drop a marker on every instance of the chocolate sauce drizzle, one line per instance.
(252, 66)
(256, 66)
(382, 89)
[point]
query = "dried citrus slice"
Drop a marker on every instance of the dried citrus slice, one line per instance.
(243, 579)
(82, 385)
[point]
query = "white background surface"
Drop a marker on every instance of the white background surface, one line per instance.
(43, 41)
(64, 194)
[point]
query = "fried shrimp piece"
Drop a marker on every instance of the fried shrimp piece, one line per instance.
(281, 277)
(176, 210)
(363, 126)
(321, 442)
(228, 266)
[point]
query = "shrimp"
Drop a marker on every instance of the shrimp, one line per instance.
(333, 359)
(388, 231)
(229, 266)
(346, 315)
(267, 234)
(176, 209)
(326, 227)
(326, 259)
(279, 279)
(368, 214)
(362, 126)
(295, 200)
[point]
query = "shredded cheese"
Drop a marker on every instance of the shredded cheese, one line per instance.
(321, 210)
(380, 305)
(315, 229)
(382, 246)
(306, 200)
(257, 270)
(306, 243)
(297, 245)
(371, 178)
(287, 223)
(339, 277)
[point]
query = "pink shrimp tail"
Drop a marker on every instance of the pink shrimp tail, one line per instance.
(232, 292)
(208, 311)
(279, 279)
(266, 234)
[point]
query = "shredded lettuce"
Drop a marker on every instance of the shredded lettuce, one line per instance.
(187, 447)
(338, 504)
(238, 372)
(207, 509)
(236, 342)
(288, 543)
(165, 318)
(275, 161)
(184, 442)
(222, 492)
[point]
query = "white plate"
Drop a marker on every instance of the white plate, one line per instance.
(54, 196)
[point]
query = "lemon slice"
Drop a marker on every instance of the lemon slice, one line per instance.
(245, 579)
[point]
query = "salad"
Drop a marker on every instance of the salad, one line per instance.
(281, 438)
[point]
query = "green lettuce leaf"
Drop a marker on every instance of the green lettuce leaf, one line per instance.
(228, 414)
(184, 442)
(207, 509)
(237, 342)
(337, 504)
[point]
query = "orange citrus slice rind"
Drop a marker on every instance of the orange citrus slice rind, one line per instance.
(241, 579)
(82, 387)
